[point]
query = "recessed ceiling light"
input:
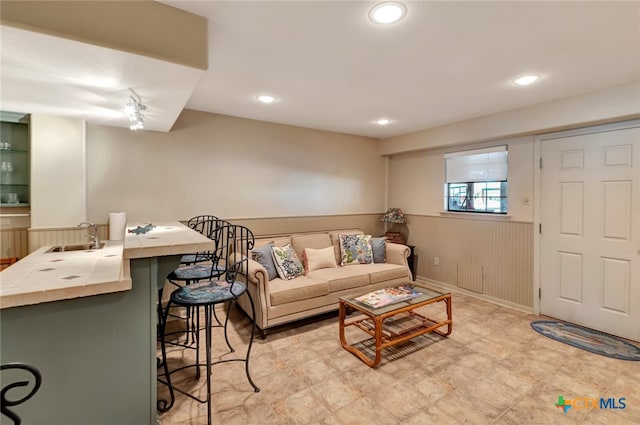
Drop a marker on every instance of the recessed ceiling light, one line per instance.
(265, 98)
(387, 12)
(525, 80)
(383, 121)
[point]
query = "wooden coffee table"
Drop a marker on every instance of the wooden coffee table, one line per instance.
(402, 321)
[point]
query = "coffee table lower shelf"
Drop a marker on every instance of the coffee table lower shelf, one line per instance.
(392, 327)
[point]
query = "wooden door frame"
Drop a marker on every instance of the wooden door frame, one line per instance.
(537, 183)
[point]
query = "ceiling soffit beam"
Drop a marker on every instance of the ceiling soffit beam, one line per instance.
(141, 27)
(614, 104)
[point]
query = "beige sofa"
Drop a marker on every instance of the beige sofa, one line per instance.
(280, 301)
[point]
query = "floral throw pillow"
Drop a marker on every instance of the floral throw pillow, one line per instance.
(355, 249)
(287, 263)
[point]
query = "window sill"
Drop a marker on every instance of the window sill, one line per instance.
(476, 216)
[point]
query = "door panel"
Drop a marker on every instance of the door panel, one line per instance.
(616, 283)
(590, 241)
(616, 210)
(571, 208)
(570, 276)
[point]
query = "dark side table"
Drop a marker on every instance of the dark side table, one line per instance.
(413, 261)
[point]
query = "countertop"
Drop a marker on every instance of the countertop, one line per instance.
(167, 238)
(44, 277)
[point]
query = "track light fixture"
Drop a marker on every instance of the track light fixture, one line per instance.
(134, 109)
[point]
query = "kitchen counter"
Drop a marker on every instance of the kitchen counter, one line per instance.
(44, 277)
(165, 239)
(87, 321)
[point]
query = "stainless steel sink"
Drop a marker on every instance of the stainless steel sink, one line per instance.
(74, 247)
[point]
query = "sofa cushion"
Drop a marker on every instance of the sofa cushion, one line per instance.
(355, 249)
(343, 277)
(287, 263)
(379, 272)
(379, 248)
(268, 241)
(314, 259)
(312, 240)
(335, 240)
(298, 289)
(264, 256)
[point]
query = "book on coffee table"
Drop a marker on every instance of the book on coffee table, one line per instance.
(386, 296)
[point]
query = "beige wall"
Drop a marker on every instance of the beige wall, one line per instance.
(277, 178)
(231, 167)
(491, 255)
(416, 180)
(58, 171)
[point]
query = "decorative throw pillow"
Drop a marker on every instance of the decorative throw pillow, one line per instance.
(287, 263)
(355, 249)
(314, 259)
(379, 248)
(263, 256)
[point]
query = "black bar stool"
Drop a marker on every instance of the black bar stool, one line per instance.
(5, 403)
(231, 255)
(195, 267)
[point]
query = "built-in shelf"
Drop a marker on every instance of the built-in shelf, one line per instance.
(3, 151)
(14, 159)
(19, 204)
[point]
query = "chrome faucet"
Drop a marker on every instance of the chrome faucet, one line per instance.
(95, 238)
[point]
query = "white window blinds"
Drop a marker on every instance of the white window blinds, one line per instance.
(478, 165)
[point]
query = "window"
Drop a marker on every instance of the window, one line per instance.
(476, 180)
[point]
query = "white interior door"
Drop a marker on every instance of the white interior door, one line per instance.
(590, 240)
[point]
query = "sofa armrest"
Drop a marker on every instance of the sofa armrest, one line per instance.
(257, 273)
(398, 254)
(258, 287)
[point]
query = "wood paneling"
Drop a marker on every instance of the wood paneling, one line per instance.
(470, 276)
(498, 255)
(501, 249)
(368, 223)
(61, 236)
(14, 243)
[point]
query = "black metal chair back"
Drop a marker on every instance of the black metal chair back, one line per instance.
(4, 403)
(233, 243)
(205, 225)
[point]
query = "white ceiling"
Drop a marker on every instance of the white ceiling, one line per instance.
(56, 76)
(332, 69)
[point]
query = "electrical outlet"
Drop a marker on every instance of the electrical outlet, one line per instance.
(436, 261)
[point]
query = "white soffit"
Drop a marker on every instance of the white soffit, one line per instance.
(61, 77)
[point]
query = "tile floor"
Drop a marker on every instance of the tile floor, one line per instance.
(493, 369)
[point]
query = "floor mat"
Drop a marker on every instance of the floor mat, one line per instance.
(588, 339)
